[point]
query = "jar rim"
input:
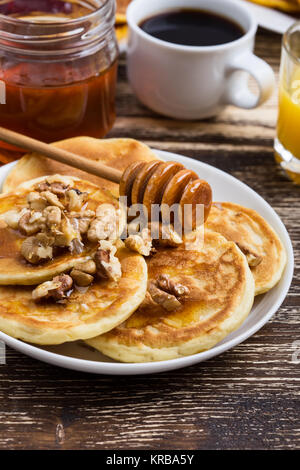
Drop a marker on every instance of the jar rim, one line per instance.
(286, 41)
(74, 21)
(38, 38)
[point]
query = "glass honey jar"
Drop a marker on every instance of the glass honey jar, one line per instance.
(58, 66)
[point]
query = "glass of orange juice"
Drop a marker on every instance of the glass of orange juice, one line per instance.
(287, 142)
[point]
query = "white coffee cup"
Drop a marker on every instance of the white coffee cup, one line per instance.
(191, 82)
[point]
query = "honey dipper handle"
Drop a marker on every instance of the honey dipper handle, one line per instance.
(60, 155)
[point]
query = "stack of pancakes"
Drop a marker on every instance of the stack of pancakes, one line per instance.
(241, 257)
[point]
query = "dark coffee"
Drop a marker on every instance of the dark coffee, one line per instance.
(192, 28)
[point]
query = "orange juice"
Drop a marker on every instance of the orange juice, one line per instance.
(287, 142)
(288, 125)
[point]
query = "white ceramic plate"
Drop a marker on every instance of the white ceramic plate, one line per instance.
(77, 356)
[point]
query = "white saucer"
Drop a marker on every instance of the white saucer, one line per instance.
(77, 356)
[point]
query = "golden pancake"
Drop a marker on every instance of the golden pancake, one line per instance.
(14, 269)
(255, 237)
(85, 314)
(221, 292)
(117, 153)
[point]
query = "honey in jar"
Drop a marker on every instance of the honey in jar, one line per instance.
(58, 64)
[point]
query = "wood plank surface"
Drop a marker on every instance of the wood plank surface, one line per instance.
(247, 398)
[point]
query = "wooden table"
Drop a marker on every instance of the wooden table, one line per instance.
(244, 399)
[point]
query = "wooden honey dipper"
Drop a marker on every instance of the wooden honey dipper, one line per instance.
(155, 182)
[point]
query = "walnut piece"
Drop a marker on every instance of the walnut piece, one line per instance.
(104, 226)
(175, 288)
(55, 289)
(82, 273)
(164, 235)
(38, 248)
(80, 278)
(86, 266)
(12, 218)
(42, 291)
(82, 220)
(52, 215)
(107, 264)
(254, 259)
(67, 234)
(141, 243)
(75, 199)
(167, 301)
(44, 186)
(36, 201)
(56, 187)
(31, 222)
(52, 199)
(167, 293)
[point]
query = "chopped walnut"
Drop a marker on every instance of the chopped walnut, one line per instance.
(75, 199)
(164, 235)
(107, 264)
(80, 278)
(43, 290)
(38, 248)
(106, 211)
(36, 201)
(44, 186)
(82, 223)
(12, 218)
(98, 230)
(57, 187)
(82, 220)
(175, 288)
(31, 222)
(55, 289)
(88, 267)
(82, 273)
(141, 243)
(67, 233)
(52, 215)
(254, 259)
(167, 301)
(52, 199)
(76, 246)
(167, 293)
(87, 213)
(105, 225)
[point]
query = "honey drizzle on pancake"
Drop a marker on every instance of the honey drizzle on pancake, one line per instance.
(10, 244)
